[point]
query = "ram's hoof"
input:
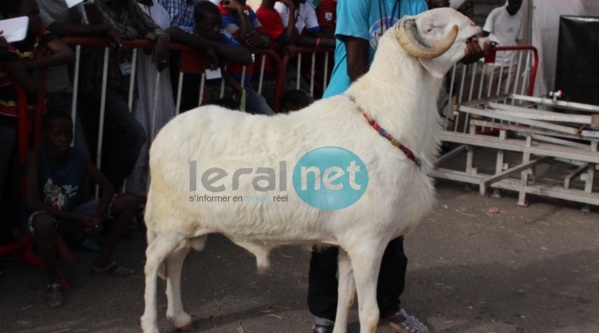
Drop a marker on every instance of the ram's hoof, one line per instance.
(186, 328)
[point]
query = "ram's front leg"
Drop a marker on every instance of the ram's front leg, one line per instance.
(366, 263)
(346, 293)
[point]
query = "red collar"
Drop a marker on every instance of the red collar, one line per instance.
(387, 135)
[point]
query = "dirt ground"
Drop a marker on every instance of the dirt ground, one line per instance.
(521, 269)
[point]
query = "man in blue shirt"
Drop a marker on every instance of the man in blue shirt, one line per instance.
(360, 24)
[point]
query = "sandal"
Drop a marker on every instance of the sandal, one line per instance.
(113, 269)
(54, 295)
(402, 322)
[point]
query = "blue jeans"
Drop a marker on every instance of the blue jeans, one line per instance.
(256, 103)
(123, 134)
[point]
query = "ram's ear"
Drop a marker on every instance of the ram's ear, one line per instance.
(433, 66)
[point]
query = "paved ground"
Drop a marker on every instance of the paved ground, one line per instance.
(533, 269)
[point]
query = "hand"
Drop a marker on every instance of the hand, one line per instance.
(116, 42)
(160, 55)
(233, 5)
(211, 58)
(3, 42)
(40, 53)
(113, 36)
(256, 40)
(91, 224)
(122, 51)
(291, 50)
(289, 4)
(474, 51)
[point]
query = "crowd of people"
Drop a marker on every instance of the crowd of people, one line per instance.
(57, 176)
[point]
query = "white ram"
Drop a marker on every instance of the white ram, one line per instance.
(399, 93)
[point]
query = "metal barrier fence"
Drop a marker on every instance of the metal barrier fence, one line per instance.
(191, 62)
(469, 82)
(320, 67)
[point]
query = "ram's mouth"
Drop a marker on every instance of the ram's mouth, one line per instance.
(476, 33)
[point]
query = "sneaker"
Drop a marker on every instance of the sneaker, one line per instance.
(402, 322)
(322, 329)
(90, 245)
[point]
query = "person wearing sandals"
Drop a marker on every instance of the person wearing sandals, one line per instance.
(55, 184)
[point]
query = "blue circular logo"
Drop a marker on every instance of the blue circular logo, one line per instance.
(330, 178)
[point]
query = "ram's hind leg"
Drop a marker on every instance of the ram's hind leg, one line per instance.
(174, 265)
(346, 292)
(156, 253)
(366, 263)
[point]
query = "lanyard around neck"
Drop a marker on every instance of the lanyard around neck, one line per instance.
(383, 10)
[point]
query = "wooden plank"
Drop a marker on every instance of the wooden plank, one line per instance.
(449, 155)
(525, 129)
(550, 191)
(541, 115)
(543, 149)
(558, 103)
(540, 124)
(503, 175)
(514, 185)
(484, 100)
(575, 173)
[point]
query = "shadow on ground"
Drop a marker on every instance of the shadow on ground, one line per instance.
(532, 269)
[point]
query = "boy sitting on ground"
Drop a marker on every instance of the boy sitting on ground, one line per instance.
(55, 179)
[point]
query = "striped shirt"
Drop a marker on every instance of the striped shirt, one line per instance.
(131, 23)
(180, 11)
(20, 51)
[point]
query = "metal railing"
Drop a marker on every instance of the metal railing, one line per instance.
(467, 83)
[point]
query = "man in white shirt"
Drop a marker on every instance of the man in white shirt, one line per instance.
(305, 16)
(504, 27)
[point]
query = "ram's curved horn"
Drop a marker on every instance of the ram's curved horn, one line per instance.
(418, 47)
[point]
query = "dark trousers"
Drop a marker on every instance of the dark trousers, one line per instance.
(190, 88)
(9, 180)
(123, 134)
(323, 285)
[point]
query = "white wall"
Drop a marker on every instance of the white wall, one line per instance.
(545, 32)
(254, 4)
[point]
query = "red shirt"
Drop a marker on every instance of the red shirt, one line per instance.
(272, 25)
(326, 13)
(232, 25)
